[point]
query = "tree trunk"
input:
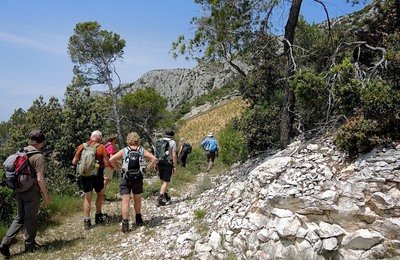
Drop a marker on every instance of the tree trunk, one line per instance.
(116, 114)
(286, 127)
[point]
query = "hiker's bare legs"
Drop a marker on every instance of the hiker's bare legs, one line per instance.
(87, 200)
(163, 188)
(210, 160)
(125, 206)
(137, 200)
(209, 166)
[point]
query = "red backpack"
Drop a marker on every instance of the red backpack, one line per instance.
(18, 173)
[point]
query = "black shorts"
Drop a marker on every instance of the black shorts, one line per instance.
(125, 187)
(165, 172)
(93, 182)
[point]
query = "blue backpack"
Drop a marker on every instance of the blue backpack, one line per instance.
(212, 145)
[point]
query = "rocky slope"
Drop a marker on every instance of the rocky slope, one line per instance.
(184, 85)
(304, 202)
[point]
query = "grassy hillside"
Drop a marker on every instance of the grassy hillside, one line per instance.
(197, 128)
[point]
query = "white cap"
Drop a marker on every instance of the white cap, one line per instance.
(210, 135)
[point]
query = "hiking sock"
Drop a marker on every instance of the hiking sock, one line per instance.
(125, 225)
(139, 220)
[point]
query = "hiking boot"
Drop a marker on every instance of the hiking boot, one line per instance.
(5, 250)
(167, 198)
(100, 218)
(87, 224)
(32, 247)
(139, 220)
(125, 227)
(160, 201)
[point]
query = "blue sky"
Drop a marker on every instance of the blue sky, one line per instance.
(34, 37)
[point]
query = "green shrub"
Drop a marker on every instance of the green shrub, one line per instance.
(204, 185)
(359, 135)
(380, 101)
(58, 181)
(196, 161)
(377, 122)
(233, 144)
(345, 89)
(311, 98)
(260, 127)
(7, 205)
(199, 214)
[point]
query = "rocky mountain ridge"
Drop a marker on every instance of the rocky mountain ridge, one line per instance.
(184, 85)
(304, 202)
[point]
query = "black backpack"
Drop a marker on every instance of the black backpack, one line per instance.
(187, 148)
(133, 166)
(162, 151)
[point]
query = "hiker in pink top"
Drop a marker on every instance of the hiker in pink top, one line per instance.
(109, 171)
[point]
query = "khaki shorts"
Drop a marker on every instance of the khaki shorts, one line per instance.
(108, 173)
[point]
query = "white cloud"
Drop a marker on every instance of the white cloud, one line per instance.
(44, 45)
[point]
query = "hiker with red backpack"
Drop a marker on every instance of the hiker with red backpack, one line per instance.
(132, 170)
(211, 148)
(91, 158)
(28, 198)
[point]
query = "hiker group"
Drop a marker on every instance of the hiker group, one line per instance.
(95, 165)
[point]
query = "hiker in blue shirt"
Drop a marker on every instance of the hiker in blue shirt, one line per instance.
(210, 146)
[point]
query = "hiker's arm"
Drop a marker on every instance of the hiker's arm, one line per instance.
(77, 154)
(43, 188)
(39, 168)
(203, 143)
(153, 160)
(115, 158)
(175, 160)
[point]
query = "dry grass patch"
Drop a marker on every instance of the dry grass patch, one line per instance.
(195, 129)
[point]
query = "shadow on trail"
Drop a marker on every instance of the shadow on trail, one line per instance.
(156, 221)
(55, 245)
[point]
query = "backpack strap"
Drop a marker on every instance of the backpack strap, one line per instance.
(29, 154)
(141, 151)
(127, 149)
(32, 152)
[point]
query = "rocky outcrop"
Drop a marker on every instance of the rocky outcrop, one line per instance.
(304, 202)
(184, 85)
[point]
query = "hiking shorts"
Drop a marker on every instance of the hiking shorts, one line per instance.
(108, 173)
(210, 156)
(165, 172)
(126, 187)
(93, 182)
